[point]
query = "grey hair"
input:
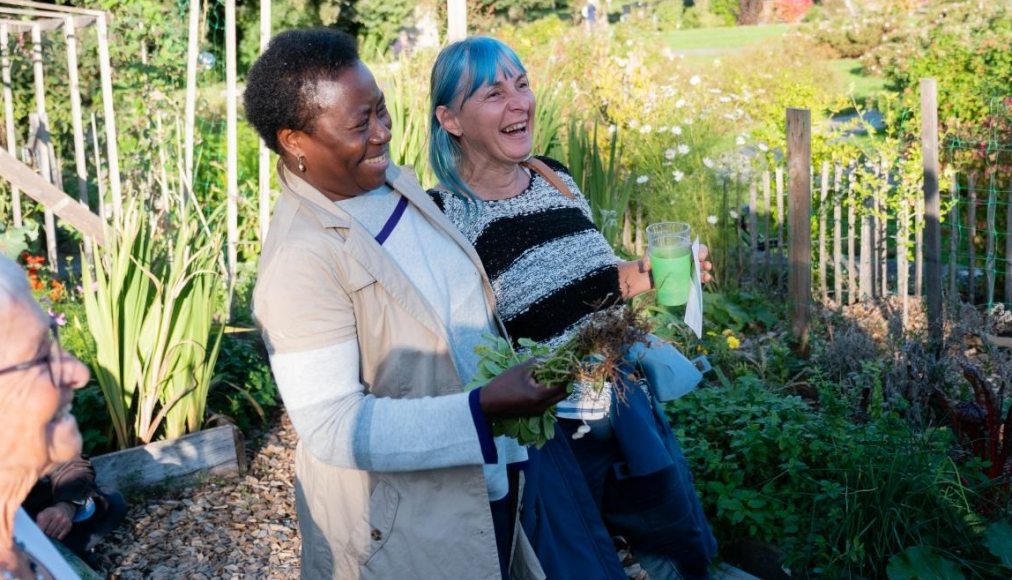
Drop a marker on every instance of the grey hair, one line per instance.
(13, 284)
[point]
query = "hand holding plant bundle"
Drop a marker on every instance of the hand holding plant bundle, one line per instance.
(591, 357)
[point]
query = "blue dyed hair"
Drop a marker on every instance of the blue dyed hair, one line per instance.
(461, 69)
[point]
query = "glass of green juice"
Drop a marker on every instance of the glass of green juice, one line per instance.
(669, 245)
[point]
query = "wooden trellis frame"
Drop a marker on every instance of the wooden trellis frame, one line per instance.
(36, 18)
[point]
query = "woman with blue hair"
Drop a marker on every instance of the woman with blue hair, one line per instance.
(550, 269)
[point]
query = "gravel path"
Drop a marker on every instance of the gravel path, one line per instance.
(238, 527)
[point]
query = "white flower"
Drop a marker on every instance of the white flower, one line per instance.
(687, 122)
(611, 129)
(712, 220)
(695, 80)
(733, 214)
(683, 149)
(669, 154)
(679, 103)
(642, 179)
(708, 162)
(646, 129)
(678, 175)
(763, 147)
(634, 124)
(725, 99)
(676, 130)
(662, 129)
(739, 140)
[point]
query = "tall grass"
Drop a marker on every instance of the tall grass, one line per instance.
(596, 172)
(151, 296)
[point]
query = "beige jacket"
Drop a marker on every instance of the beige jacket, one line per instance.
(323, 279)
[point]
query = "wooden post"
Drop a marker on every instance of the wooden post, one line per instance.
(837, 235)
(80, 164)
(5, 64)
(823, 196)
(721, 220)
(852, 290)
(1008, 251)
(191, 97)
(932, 208)
(919, 247)
(989, 255)
(902, 269)
(640, 237)
(867, 253)
(971, 226)
(735, 237)
(882, 221)
(767, 205)
(753, 234)
(109, 116)
(265, 153)
(42, 143)
(780, 222)
(456, 20)
(799, 155)
(232, 156)
(953, 240)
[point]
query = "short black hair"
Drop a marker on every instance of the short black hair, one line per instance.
(280, 84)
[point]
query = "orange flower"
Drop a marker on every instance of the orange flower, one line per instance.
(33, 279)
(57, 290)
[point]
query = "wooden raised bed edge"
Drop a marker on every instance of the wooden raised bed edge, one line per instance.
(217, 451)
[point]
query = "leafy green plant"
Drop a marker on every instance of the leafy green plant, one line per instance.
(837, 496)
(150, 299)
(598, 176)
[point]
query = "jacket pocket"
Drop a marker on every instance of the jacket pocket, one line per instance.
(380, 523)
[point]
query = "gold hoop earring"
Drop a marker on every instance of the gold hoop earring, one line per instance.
(302, 163)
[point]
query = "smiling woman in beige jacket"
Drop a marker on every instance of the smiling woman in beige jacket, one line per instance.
(371, 305)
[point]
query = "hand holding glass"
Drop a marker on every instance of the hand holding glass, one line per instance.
(669, 245)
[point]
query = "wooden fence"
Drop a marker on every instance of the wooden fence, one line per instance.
(847, 236)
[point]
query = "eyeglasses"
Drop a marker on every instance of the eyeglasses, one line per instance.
(53, 358)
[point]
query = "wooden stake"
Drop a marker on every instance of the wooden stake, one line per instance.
(767, 206)
(42, 143)
(1008, 251)
(753, 234)
(109, 117)
(232, 156)
(902, 269)
(989, 255)
(191, 97)
(882, 219)
(456, 14)
(953, 240)
(919, 247)
(852, 228)
(837, 234)
(80, 164)
(780, 218)
(971, 226)
(799, 155)
(932, 210)
(5, 64)
(823, 196)
(867, 289)
(265, 153)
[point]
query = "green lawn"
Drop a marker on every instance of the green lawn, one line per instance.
(853, 80)
(722, 39)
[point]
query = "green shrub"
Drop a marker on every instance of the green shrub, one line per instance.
(839, 497)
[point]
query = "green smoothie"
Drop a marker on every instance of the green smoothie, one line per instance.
(671, 267)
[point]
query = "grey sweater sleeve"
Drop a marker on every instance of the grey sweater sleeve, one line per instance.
(343, 425)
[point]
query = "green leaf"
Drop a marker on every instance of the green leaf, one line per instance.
(998, 539)
(922, 563)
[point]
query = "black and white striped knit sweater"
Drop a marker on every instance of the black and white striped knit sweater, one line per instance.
(549, 266)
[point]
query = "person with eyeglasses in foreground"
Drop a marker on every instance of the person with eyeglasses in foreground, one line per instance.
(37, 431)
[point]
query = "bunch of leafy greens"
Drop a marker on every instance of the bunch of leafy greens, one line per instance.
(591, 357)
